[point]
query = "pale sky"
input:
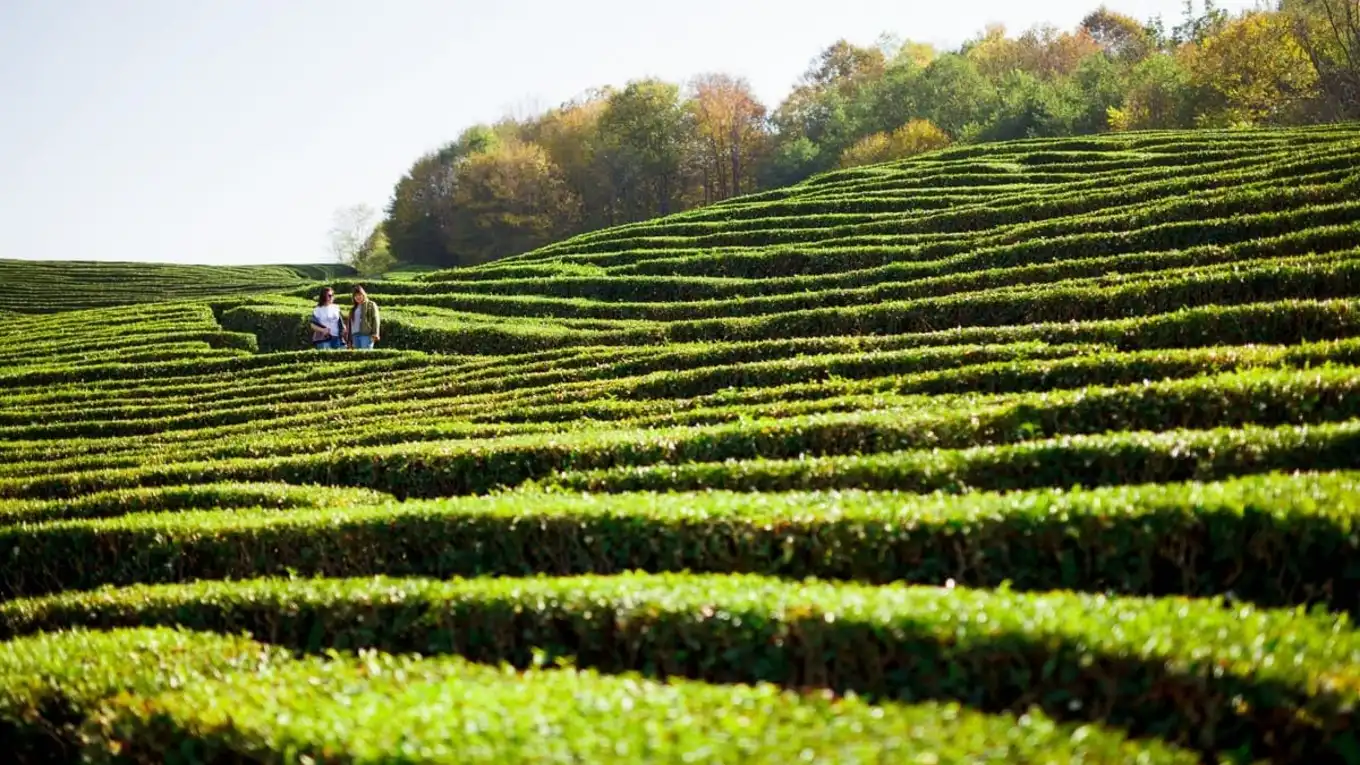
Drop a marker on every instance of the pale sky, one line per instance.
(228, 131)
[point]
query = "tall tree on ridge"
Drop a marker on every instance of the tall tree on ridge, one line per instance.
(571, 135)
(507, 199)
(730, 125)
(644, 130)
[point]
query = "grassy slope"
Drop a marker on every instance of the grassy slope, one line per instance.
(1046, 370)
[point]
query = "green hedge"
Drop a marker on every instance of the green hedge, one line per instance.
(377, 708)
(1276, 540)
(50, 684)
(1057, 303)
(52, 286)
(1277, 684)
(1069, 273)
(155, 695)
(979, 268)
(1099, 460)
(199, 497)
(442, 468)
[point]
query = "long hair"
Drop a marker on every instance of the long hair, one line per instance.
(323, 294)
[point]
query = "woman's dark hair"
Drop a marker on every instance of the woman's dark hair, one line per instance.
(359, 290)
(323, 294)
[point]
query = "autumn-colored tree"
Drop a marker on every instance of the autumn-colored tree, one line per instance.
(1256, 68)
(915, 137)
(730, 125)
(1043, 51)
(570, 134)
(1051, 53)
(918, 54)
(845, 67)
(1119, 36)
(994, 53)
(1329, 33)
(507, 200)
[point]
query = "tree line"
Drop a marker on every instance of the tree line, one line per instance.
(649, 148)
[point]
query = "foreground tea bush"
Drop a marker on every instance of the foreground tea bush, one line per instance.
(1195, 672)
(146, 696)
(49, 684)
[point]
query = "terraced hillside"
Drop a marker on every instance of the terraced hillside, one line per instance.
(1033, 452)
(50, 286)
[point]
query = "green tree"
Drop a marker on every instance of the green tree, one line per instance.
(508, 199)
(953, 94)
(412, 222)
(1030, 107)
(414, 225)
(1161, 96)
(1102, 85)
(644, 132)
(789, 162)
(891, 101)
(375, 257)
(824, 109)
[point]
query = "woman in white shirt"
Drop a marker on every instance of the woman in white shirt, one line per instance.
(328, 330)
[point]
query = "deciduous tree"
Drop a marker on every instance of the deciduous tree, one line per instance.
(1329, 33)
(508, 199)
(1120, 37)
(643, 134)
(730, 124)
(915, 137)
(1256, 68)
(350, 228)
(570, 134)
(1161, 96)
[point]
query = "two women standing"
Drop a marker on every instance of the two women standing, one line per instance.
(333, 330)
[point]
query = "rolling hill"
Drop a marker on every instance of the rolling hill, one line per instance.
(1041, 451)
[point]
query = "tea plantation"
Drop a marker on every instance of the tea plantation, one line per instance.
(38, 286)
(1045, 451)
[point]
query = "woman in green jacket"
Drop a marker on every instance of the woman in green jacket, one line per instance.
(364, 321)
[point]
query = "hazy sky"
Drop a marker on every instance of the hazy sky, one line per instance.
(228, 131)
